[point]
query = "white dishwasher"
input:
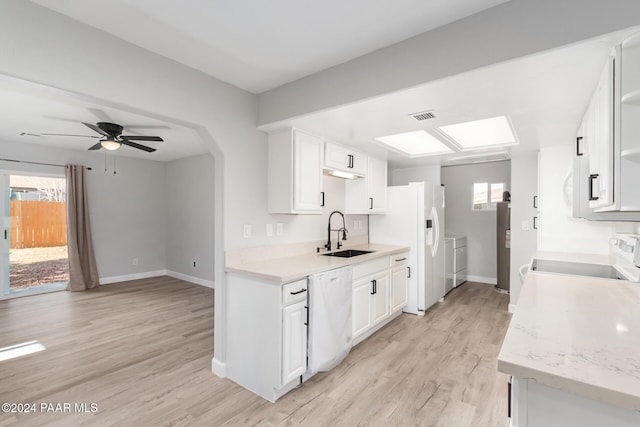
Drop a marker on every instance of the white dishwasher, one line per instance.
(330, 328)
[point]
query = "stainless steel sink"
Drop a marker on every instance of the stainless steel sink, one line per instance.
(348, 253)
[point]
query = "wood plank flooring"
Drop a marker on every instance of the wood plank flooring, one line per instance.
(142, 350)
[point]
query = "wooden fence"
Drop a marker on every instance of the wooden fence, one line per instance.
(36, 224)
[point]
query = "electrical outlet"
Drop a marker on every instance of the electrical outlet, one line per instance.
(247, 231)
(269, 230)
(134, 261)
(279, 229)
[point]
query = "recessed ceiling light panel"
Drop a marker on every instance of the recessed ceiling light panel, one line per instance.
(493, 132)
(415, 144)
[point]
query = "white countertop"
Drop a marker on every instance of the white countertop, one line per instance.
(577, 334)
(288, 269)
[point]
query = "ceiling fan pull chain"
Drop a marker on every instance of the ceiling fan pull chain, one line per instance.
(114, 164)
(105, 162)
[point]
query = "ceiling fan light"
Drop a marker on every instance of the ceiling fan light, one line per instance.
(110, 144)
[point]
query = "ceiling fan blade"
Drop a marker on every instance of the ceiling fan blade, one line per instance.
(142, 138)
(95, 128)
(67, 134)
(138, 146)
(96, 147)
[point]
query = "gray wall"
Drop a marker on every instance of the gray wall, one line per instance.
(478, 226)
(189, 216)
(403, 176)
(511, 30)
(524, 185)
(126, 209)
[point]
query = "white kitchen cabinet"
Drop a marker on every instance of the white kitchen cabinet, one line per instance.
(599, 139)
(607, 165)
(368, 195)
(344, 159)
(266, 334)
(380, 297)
(294, 341)
(295, 161)
(398, 294)
(361, 306)
(536, 405)
(380, 291)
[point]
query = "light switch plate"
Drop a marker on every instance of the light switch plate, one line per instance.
(525, 225)
(247, 231)
(269, 230)
(279, 229)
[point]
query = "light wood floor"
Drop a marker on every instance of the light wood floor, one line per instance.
(142, 352)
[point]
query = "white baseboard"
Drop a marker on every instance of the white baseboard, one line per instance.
(147, 274)
(191, 279)
(219, 368)
(482, 279)
(134, 276)
(511, 308)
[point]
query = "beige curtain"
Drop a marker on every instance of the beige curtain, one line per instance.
(83, 273)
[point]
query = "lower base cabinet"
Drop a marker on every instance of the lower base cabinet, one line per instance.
(379, 292)
(294, 341)
(537, 405)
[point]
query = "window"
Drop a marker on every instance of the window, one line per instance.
(486, 195)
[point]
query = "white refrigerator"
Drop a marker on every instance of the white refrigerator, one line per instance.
(415, 218)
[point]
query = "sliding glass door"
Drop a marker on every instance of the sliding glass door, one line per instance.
(34, 253)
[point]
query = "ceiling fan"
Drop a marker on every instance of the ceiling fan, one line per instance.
(111, 137)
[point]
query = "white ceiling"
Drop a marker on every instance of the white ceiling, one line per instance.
(34, 109)
(544, 96)
(259, 45)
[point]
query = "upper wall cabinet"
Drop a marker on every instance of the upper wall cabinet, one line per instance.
(368, 195)
(295, 173)
(343, 159)
(607, 165)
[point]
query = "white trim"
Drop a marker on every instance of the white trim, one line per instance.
(134, 276)
(482, 279)
(219, 368)
(191, 279)
(511, 308)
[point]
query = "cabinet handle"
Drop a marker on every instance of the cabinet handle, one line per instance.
(373, 287)
(322, 203)
(306, 307)
(350, 161)
(535, 222)
(578, 141)
(298, 292)
(591, 178)
(370, 202)
(535, 202)
(408, 272)
(401, 259)
(509, 399)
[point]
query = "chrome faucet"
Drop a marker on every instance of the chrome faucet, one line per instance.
(329, 230)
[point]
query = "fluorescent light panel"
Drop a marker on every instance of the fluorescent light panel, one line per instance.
(481, 133)
(415, 144)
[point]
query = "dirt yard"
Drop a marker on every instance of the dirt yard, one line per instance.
(37, 266)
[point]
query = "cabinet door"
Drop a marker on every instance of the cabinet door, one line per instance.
(399, 292)
(294, 341)
(377, 185)
(345, 159)
(380, 303)
(601, 136)
(361, 310)
(307, 173)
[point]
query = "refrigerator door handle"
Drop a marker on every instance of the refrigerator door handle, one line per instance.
(436, 231)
